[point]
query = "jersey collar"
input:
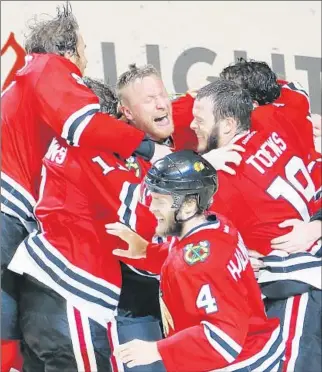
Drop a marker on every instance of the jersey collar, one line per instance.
(211, 223)
(239, 136)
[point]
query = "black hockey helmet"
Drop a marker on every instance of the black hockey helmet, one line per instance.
(181, 174)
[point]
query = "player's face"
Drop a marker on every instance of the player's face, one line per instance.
(210, 134)
(203, 123)
(147, 105)
(81, 61)
(161, 207)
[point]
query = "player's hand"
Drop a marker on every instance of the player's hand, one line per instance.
(160, 151)
(302, 237)
(137, 353)
(220, 158)
(317, 125)
(137, 245)
(255, 261)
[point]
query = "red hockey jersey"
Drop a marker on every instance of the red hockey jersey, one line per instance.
(272, 183)
(296, 105)
(184, 137)
(48, 98)
(211, 306)
(81, 191)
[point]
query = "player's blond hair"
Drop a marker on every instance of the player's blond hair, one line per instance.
(133, 73)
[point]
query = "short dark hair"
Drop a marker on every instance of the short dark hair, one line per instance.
(132, 74)
(229, 100)
(106, 95)
(57, 35)
(257, 77)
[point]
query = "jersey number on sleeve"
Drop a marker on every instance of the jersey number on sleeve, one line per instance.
(206, 300)
(105, 167)
(291, 189)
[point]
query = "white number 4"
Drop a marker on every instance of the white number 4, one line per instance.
(206, 300)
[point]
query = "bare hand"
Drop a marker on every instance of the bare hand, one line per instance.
(160, 152)
(302, 237)
(317, 125)
(137, 245)
(228, 154)
(137, 353)
(255, 261)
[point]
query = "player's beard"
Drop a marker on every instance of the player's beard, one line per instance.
(174, 228)
(213, 140)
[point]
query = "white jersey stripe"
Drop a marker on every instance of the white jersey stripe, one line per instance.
(298, 332)
(89, 343)
(80, 129)
(19, 188)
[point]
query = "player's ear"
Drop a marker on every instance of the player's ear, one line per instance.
(229, 126)
(188, 208)
(126, 112)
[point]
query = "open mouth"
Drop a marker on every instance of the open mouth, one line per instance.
(162, 120)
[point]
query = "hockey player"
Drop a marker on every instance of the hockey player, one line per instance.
(262, 83)
(68, 265)
(47, 98)
(145, 104)
(273, 184)
(213, 317)
(45, 310)
(222, 112)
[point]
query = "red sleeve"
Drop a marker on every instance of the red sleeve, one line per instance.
(297, 127)
(295, 102)
(117, 189)
(226, 192)
(218, 340)
(295, 96)
(156, 255)
(72, 110)
(184, 137)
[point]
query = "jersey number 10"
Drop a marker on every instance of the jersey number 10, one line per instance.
(291, 189)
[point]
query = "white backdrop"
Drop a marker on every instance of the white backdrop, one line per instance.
(189, 41)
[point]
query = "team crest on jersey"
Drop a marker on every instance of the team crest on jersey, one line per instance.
(193, 254)
(132, 164)
(167, 320)
(198, 166)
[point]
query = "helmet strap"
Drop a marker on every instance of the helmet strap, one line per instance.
(178, 207)
(181, 221)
